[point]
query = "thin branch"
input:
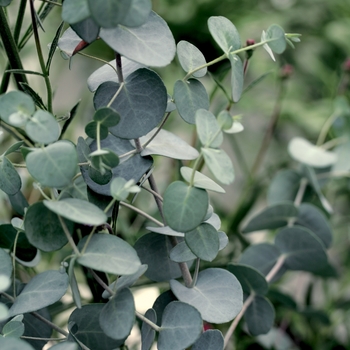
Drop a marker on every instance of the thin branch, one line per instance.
(146, 320)
(118, 60)
(68, 235)
(101, 282)
(139, 211)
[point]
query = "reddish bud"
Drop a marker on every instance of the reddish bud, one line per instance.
(250, 42)
(286, 71)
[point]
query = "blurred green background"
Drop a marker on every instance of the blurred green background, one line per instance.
(322, 317)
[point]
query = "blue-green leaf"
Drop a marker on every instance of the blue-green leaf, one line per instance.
(208, 129)
(10, 181)
(211, 339)
(190, 96)
(217, 295)
(237, 76)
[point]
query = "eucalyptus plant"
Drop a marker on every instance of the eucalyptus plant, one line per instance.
(83, 184)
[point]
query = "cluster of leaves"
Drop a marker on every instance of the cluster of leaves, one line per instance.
(84, 184)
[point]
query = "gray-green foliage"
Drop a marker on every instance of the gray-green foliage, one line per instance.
(86, 184)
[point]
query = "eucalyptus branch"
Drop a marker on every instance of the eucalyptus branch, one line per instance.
(101, 282)
(158, 130)
(325, 128)
(152, 192)
(196, 271)
(46, 339)
(97, 59)
(23, 166)
(116, 94)
(146, 320)
(235, 322)
(195, 167)
(41, 57)
(14, 263)
(273, 272)
(68, 235)
(141, 212)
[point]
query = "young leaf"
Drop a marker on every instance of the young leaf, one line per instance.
(251, 280)
(16, 107)
(78, 211)
(305, 152)
(219, 164)
(191, 57)
(211, 339)
(118, 316)
(237, 77)
(42, 290)
(68, 42)
(303, 250)
(132, 168)
(106, 116)
(10, 181)
(125, 281)
(217, 295)
(153, 250)
(43, 228)
(190, 96)
(55, 165)
(109, 254)
(91, 130)
(43, 127)
(259, 316)
(208, 129)
(203, 242)
(13, 329)
(181, 326)
(142, 88)
(200, 180)
(168, 145)
(276, 38)
(182, 253)
(224, 33)
(120, 188)
(272, 217)
(147, 332)
(184, 207)
(151, 44)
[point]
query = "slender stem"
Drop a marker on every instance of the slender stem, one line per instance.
(158, 130)
(116, 94)
(97, 59)
(146, 320)
(222, 57)
(68, 235)
(110, 204)
(118, 60)
(195, 167)
(273, 272)
(98, 136)
(51, 2)
(101, 282)
(279, 263)
(52, 325)
(128, 153)
(138, 145)
(41, 57)
(156, 196)
(235, 322)
(139, 211)
(325, 128)
(88, 240)
(186, 275)
(14, 263)
(301, 191)
(46, 339)
(196, 271)
(155, 193)
(19, 165)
